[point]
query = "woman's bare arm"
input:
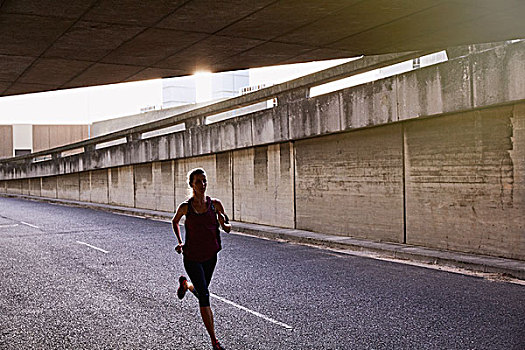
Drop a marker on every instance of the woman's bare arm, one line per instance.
(181, 211)
(221, 215)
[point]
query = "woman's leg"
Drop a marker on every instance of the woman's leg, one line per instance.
(206, 313)
(208, 267)
(200, 275)
(207, 318)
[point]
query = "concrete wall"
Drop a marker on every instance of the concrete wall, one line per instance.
(449, 87)
(49, 187)
(13, 186)
(25, 186)
(121, 187)
(6, 141)
(35, 187)
(453, 182)
(264, 186)
(85, 186)
(100, 186)
(154, 186)
(465, 182)
(144, 186)
(68, 186)
(352, 184)
(428, 158)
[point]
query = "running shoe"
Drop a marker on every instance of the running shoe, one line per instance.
(217, 346)
(181, 292)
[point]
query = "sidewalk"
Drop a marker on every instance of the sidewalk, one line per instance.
(477, 263)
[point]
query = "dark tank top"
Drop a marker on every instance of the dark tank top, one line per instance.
(202, 233)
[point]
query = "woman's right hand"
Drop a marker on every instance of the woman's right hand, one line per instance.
(178, 248)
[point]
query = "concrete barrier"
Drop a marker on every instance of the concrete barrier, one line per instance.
(264, 185)
(121, 189)
(434, 157)
(352, 184)
(464, 182)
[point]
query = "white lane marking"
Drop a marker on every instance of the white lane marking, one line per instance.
(130, 215)
(8, 225)
(33, 226)
(269, 319)
(92, 246)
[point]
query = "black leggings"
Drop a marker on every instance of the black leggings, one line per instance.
(200, 275)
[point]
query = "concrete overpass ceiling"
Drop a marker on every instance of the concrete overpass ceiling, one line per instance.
(57, 44)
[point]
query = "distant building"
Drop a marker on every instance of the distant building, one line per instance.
(20, 139)
(184, 90)
(180, 95)
(181, 92)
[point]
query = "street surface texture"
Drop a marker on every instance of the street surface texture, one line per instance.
(75, 278)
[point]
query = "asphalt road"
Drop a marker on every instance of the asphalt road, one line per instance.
(75, 278)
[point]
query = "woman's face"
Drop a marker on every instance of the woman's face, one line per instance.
(199, 183)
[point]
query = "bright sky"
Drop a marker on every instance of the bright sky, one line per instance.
(91, 104)
(280, 74)
(82, 105)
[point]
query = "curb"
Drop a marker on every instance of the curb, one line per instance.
(472, 262)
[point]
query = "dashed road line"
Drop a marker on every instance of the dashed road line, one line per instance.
(264, 317)
(8, 225)
(92, 246)
(33, 226)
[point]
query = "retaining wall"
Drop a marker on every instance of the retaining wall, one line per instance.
(427, 158)
(455, 182)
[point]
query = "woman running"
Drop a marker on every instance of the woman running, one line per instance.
(203, 217)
